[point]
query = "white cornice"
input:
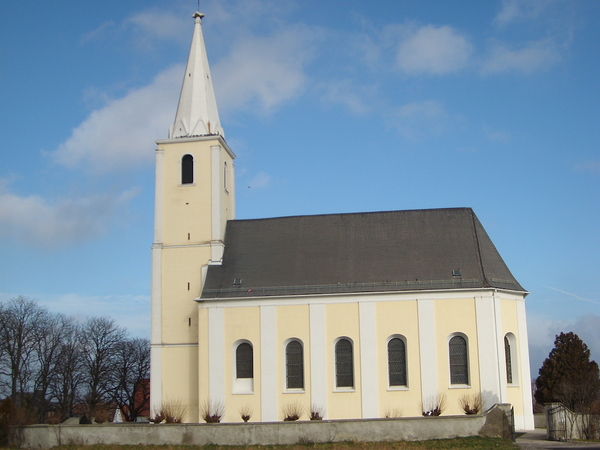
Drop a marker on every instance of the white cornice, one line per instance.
(352, 296)
(207, 137)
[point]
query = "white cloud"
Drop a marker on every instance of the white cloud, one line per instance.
(592, 166)
(419, 119)
(358, 99)
(119, 135)
(258, 72)
(144, 29)
(34, 221)
(434, 50)
(260, 180)
(263, 72)
(534, 56)
(499, 136)
(160, 24)
(519, 10)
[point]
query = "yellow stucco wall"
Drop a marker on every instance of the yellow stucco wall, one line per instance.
(293, 323)
(399, 318)
(203, 393)
(243, 324)
(456, 316)
(392, 318)
(187, 208)
(184, 232)
(342, 321)
(179, 387)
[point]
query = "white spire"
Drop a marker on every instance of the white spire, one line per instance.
(197, 113)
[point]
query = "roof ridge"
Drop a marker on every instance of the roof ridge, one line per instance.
(466, 208)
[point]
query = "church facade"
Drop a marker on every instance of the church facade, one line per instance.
(344, 316)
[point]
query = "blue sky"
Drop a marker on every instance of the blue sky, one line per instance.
(338, 106)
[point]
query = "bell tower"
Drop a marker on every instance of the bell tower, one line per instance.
(194, 199)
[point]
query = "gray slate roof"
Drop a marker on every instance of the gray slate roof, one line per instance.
(362, 252)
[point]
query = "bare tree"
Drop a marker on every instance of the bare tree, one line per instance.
(101, 339)
(68, 377)
(133, 372)
(47, 346)
(20, 321)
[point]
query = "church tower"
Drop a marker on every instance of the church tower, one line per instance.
(194, 199)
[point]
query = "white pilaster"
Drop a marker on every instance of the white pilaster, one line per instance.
(268, 363)
(427, 334)
(216, 192)
(159, 195)
(526, 421)
(368, 360)
(318, 357)
(487, 337)
(501, 357)
(155, 379)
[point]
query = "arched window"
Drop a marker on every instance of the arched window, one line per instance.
(507, 355)
(294, 365)
(225, 175)
(397, 362)
(459, 360)
(510, 345)
(344, 364)
(187, 169)
(244, 361)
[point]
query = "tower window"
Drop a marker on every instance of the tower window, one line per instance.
(187, 169)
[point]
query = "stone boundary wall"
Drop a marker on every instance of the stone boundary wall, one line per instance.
(494, 423)
(564, 424)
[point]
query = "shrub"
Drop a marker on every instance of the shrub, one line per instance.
(246, 413)
(471, 404)
(391, 413)
(212, 411)
(434, 406)
(170, 412)
(316, 412)
(292, 411)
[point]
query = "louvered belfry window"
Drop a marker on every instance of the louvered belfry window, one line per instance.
(244, 364)
(397, 362)
(459, 361)
(294, 365)
(187, 169)
(344, 365)
(507, 355)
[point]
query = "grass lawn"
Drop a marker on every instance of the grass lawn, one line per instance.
(458, 443)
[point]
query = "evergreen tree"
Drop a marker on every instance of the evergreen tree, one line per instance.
(568, 375)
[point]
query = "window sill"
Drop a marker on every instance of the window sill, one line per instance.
(460, 386)
(343, 390)
(397, 388)
(511, 385)
(294, 391)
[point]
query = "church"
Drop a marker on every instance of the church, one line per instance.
(339, 316)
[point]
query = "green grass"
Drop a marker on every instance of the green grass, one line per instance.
(457, 443)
